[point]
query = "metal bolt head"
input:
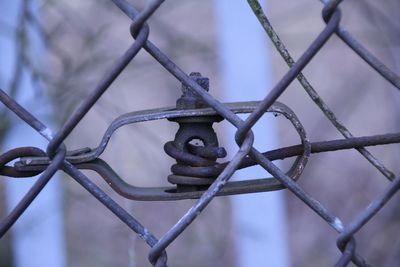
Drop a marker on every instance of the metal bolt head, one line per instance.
(189, 98)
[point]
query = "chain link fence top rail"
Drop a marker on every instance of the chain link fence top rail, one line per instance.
(197, 174)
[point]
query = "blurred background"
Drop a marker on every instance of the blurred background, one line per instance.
(52, 55)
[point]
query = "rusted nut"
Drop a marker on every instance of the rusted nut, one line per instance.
(189, 99)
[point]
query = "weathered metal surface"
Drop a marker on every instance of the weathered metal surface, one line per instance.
(32, 160)
(90, 160)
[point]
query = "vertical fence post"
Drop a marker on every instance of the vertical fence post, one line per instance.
(259, 219)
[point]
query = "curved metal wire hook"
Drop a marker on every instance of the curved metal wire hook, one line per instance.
(92, 162)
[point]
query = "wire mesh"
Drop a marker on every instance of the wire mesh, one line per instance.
(57, 157)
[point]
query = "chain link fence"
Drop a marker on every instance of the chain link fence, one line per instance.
(197, 174)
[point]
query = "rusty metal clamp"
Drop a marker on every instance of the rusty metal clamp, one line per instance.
(196, 166)
(205, 148)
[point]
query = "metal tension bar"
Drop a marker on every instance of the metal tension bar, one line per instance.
(196, 166)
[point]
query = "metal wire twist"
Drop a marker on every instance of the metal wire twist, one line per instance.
(57, 158)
